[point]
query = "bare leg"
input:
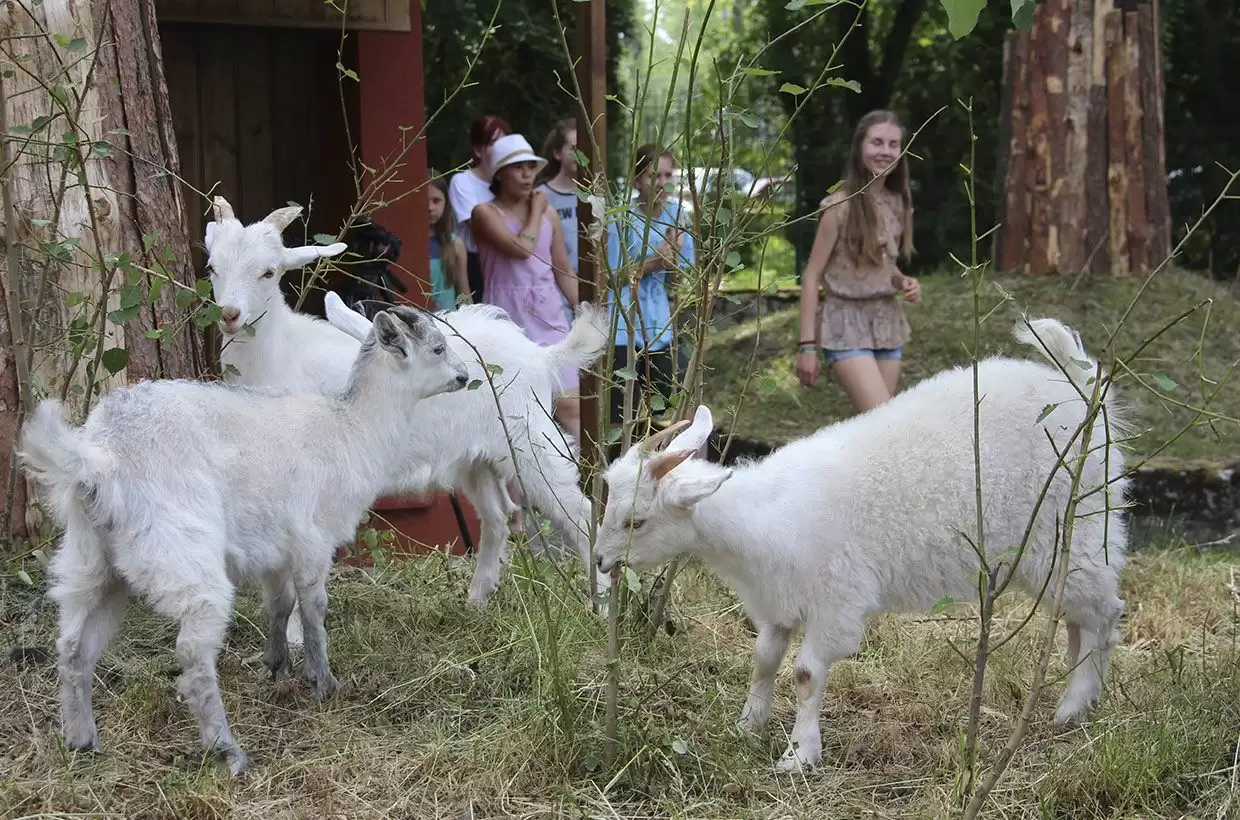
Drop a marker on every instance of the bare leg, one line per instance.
(862, 381)
(91, 610)
(204, 621)
(279, 597)
(890, 368)
(772, 644)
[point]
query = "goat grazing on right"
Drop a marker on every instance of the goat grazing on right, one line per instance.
(878, 514)
(179, 490)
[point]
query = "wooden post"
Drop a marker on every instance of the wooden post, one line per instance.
(1083, 162)
(592, 267)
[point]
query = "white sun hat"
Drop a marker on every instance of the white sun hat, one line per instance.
(511, 149)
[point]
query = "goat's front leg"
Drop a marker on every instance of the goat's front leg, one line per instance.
(769, 651)
(824, 645)
(492, 503)
(312, 596)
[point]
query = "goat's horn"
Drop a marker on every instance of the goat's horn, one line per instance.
(222, 209)
(651, 443)
(283, 217)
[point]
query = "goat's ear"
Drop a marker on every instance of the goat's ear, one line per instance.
(281, 218)
(666, 462)
(343, 319)
(294, 258)
(685, 491)
(389, 335)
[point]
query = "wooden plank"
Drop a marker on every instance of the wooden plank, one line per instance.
(1056, 80)
(256, 196)
(180, 47)
(218, 112)
(1138, 227)
(1158, 215)
(1074, 239)
(1097, 194)
(1041, 132)
(1117, 177)
(360, 15)
(1015, 244)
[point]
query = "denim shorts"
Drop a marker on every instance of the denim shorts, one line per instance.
(881, 353)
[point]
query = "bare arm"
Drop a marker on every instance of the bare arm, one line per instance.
(488, 226)
(811, 278)
(560, 265)
(460, 270)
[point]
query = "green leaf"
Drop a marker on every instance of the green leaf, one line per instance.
(494, 369)
(348, 72)
(124, 315)
(1164, 382)
(962, 15)
(657, 403)
(767, 386)
(203, 288)
(157, 333)
(183, 299)
(77, 44)
(474, 385)
(631, 579)
(750, 119)
(207, 315)
(943, 604)
(1084, 365)
(733, 260)
(324, 239)
(591, 763)
(130, 296)
(157, 287)
(24, 577)
(628, 374)
(1046, 411)
(1022, 14)
(791, 88)
(795, 5)
(680, 746)
(851, 85)
(759, 72)
(75, 298)
(114, 359)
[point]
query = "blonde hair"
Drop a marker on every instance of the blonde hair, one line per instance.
(860, 228)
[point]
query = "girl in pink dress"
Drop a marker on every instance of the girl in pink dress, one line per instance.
(525, 265)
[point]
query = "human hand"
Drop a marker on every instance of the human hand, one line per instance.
(911, 288)
(807, 367)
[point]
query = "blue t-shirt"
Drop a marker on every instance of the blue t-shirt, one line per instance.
(625, 232)
(566, 206)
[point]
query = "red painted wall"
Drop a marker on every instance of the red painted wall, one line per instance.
(392, 115)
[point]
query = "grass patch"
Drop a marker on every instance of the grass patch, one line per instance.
(443, 712)
(752, 376)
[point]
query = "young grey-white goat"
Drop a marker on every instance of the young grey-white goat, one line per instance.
(179, 490)
(877, 514)
(459, 440)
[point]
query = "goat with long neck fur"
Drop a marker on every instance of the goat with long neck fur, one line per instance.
(878, 514)
(461, 441)
(177, 491)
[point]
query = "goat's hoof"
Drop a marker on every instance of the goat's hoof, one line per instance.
(479, 597)
(798, 758)
(323, 687)
(1071, 714)
(87, 741)
(749, 725)
(238, 761)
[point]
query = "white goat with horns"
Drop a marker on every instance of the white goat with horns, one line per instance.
(458, 441)
(179, 490)
(877, 514)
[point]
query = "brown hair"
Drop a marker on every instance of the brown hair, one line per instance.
(486, 129)
(442, 229)
(860, 228)
(646, 157)
(555, 141)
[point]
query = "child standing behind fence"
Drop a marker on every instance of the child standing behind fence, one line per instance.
(447, 269)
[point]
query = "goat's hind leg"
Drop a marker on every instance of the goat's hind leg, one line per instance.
(312, 595)
(92, 603)
(492, 503)
(279, 597)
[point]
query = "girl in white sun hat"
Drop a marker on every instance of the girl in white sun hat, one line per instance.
(525, 265)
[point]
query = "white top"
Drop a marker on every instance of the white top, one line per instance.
(464, 192)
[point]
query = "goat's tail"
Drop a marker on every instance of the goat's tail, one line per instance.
(585, 341)
(1061, 345)
(57, 456)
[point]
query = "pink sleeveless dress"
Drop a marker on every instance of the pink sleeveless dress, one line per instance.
(527, 290)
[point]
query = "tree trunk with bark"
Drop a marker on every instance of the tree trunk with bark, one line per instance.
(96, 266)
(1082, 159)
